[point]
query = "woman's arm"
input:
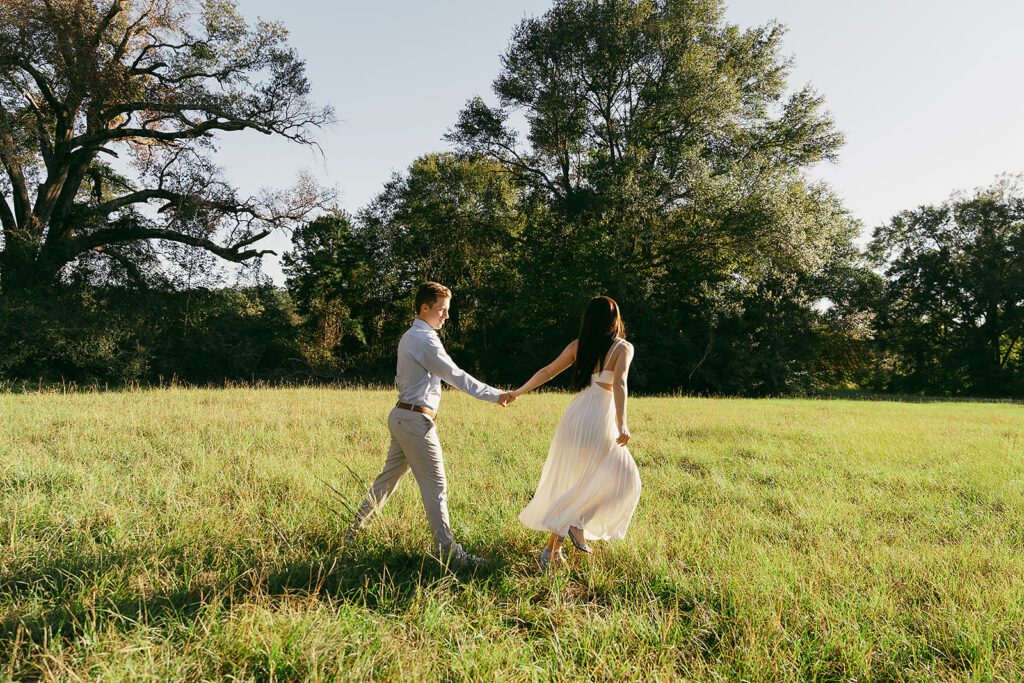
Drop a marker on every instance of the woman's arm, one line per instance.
(619, 391)
(565, 359)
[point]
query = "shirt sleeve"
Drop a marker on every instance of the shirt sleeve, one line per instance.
(437, 361)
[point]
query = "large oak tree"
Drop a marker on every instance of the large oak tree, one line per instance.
(108, 112)
(670, 155)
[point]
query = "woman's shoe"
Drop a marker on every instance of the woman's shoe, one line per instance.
(580, 543)
(550, 559)
(545, 559)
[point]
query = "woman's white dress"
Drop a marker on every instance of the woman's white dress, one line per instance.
(588, 481)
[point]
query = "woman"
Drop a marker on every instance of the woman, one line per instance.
(590, 486)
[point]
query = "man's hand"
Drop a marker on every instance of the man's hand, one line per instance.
(506, 398)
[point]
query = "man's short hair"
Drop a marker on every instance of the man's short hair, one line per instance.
(429, 292)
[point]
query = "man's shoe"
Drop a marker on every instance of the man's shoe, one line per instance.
(457, 557)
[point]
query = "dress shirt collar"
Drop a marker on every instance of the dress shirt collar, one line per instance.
(423, 325)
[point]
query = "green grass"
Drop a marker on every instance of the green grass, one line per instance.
(173, 534)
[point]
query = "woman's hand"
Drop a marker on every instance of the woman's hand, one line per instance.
(623, 436)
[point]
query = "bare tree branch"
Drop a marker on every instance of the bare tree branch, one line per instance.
(15, 172)
(44, 87)
(191, 133)
(231, 252)
(116, 8)
(176, 199)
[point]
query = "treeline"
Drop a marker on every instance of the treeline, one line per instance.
(934, 305)
(114, 336)
(645, 150)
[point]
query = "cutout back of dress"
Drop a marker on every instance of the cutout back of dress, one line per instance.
(606, 376)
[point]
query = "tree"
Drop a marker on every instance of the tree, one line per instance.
(667, 157)
(847, 353)
(333, 280)
(453, 220)
(107, 115)
(952, 315)
(449, 219)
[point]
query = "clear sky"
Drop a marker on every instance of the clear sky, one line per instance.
(927, 92)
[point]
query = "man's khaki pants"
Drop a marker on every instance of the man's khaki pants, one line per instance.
(415, 446)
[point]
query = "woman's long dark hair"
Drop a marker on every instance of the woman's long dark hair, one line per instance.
(600, 326)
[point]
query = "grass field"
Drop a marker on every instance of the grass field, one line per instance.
(192, 534)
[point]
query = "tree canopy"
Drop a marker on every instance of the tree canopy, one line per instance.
(108, 110)
(646, 150)
(951, 316)
(664, 156)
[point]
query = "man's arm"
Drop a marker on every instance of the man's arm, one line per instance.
(436, 360)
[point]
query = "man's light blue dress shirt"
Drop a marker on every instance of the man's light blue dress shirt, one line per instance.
(423, 363)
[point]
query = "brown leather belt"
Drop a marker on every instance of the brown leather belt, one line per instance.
(418, 409)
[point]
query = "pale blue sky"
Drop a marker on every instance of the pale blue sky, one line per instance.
(928, 92)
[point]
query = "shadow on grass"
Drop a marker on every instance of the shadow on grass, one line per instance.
(381, 579)
(67, 598)
(701, 617)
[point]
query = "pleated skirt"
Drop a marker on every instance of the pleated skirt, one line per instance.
(588, 480)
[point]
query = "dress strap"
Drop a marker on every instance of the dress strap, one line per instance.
(608, 356)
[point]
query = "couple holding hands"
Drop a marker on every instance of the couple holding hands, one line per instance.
(589, 486)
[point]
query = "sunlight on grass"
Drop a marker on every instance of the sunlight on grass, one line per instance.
(195, 534)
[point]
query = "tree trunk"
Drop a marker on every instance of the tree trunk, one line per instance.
(23, 267)
(992, 337)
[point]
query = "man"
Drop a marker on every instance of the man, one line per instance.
(422, 364)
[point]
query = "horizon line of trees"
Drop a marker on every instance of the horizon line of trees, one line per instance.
(663, 159)
(936, 309)
(934, 305)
